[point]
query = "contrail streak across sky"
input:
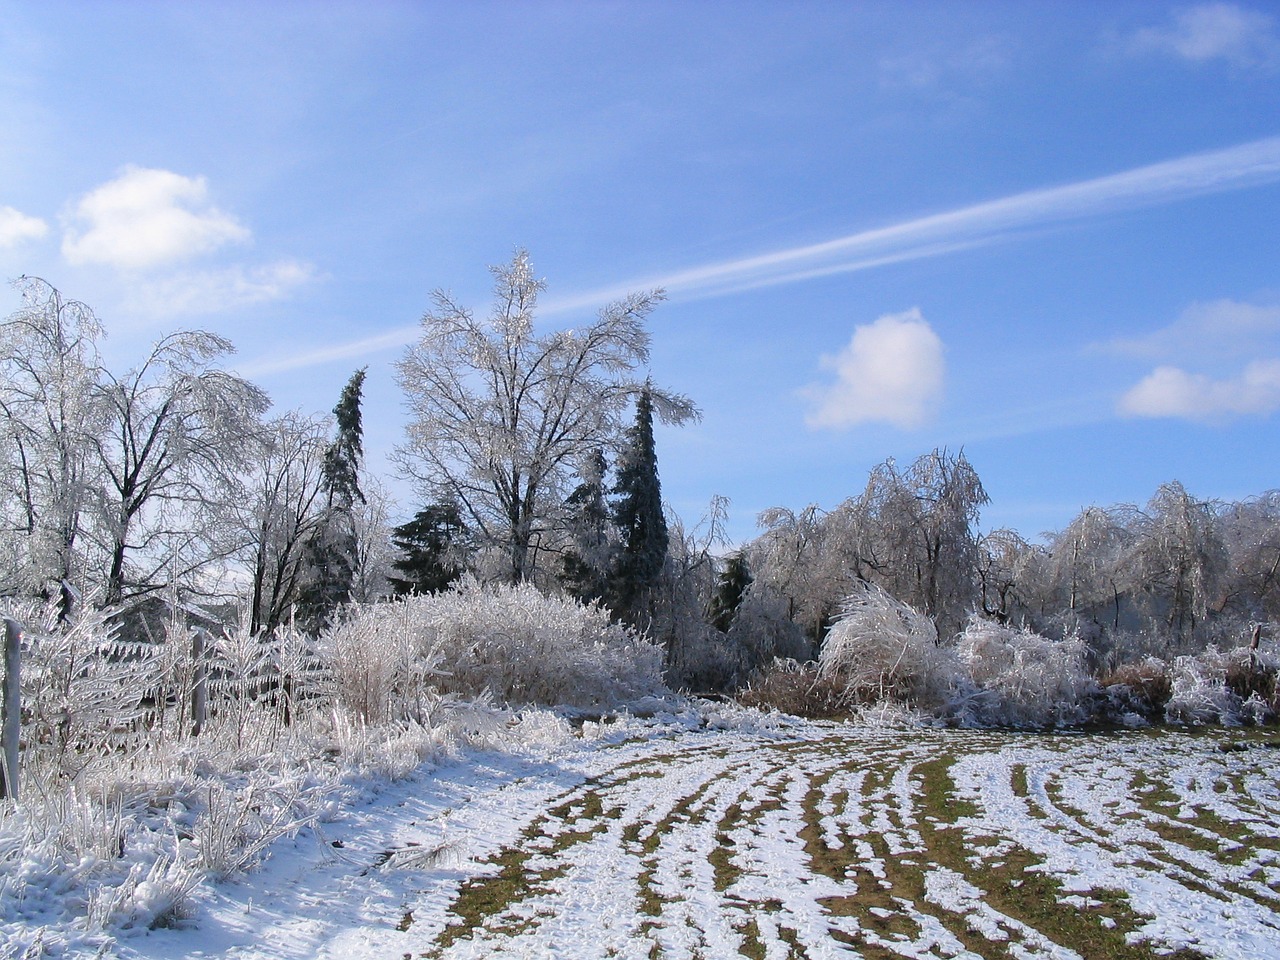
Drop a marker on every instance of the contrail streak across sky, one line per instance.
(1235, 168)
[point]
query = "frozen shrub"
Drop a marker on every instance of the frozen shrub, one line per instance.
(1253, 680)
(1199, 691)
(1031, 681)
(704, 660)
(795, 688)
(882, 649)
(1225, 686)
(384, 660)
(527, 648)
(85, 693)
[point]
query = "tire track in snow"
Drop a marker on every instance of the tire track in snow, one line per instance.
(832, 842)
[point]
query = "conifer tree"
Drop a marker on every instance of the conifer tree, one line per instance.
(637, 512)
(730, 591)
(428, 545)
(331, 550)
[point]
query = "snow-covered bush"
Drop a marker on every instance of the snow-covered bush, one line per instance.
(882, 649)
(384, 660)
(85, 694)
(1030, 681)
(1224, 686)
(528, 648)
(1199, 691)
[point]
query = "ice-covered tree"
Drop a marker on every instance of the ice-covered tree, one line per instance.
(1087, 564)
(1178, 560)
(501, 414)
(376, 554)
(168, 460)
(731, 589)
(1009, 573)
(1251, 532)
(283, 494)
(586, 559)
(924, 547)
(50, 413)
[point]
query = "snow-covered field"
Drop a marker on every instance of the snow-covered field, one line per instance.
(774, 839)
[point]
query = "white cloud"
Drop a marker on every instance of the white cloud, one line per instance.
(1212, 31)
(210, 291)
(147, 218)
(1220, 328)
(1172, 392)
(892, 371)
(16, 227)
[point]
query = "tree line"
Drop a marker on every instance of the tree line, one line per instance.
(533, 456)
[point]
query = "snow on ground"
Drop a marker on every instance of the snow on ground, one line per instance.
(648, 839)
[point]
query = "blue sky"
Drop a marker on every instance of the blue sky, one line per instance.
(1048, 233)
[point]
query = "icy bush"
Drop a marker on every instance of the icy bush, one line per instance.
(1224, 686)
(384, 660)
(763, 630)
(1029, 680)
(527, 648)
(1199, 691)
(84, 692)
(882, 649)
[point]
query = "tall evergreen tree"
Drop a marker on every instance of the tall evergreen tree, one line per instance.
(637, 512)
(331, 551)
(428, 547)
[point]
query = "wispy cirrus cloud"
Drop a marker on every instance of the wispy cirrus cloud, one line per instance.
(1246, 165)
(292, 360)
(16, 227)
(147, 218)
(192, 292)
(1215, 31)
(1217, 329)
(891, 371)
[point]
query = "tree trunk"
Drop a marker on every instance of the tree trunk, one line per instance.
(10, 711)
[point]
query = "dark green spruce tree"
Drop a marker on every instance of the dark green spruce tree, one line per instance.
(585, 563)
(430, 547)
(331, 550)
(731, 588)
(637, 513)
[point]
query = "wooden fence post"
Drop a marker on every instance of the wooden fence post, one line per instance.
(200, 682)
(10, 710)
